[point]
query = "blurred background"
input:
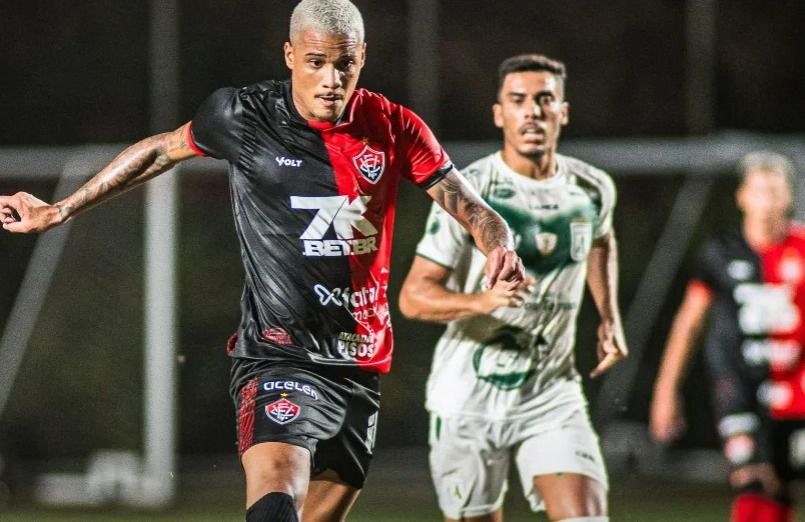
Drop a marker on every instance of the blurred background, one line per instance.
(664, 94)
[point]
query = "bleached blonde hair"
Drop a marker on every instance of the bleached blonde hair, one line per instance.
(339, 17)
(768, 161)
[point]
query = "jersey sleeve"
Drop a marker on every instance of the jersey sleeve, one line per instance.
(444, 239)
(609, 195)
(427, 161)
(707, 264)
(217, 127)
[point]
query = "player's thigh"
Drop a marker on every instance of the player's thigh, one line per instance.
(562, 469)
(568, 495)
(328, 499)
(468, 472)
(276, 467)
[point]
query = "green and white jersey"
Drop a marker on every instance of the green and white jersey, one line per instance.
(519, 361)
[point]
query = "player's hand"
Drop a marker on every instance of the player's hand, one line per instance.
(503, 264)
(611, 347)
(666, 418)
(23, 213)
(509, 294)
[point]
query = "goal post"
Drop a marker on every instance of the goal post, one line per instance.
(149, 477)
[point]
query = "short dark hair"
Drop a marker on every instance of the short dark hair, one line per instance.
(530, 62)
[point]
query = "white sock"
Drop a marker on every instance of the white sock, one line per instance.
(585, 519)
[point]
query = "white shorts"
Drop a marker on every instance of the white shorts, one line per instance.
(470, 459)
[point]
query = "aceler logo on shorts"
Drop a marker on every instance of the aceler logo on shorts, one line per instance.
(282, 411)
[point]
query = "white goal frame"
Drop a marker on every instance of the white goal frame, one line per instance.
(700, 158)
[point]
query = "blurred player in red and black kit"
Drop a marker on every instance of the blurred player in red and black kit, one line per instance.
(314, 171)
(753, 281)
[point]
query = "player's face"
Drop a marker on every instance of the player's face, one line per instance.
(531, 111)
(324, 71)
(765, 195)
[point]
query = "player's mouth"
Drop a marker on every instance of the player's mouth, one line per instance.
(330, 100)
(532, 133)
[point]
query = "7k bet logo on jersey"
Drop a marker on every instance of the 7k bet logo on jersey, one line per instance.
(344, 217)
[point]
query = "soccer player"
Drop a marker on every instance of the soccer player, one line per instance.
(752, 283)
(314, 171)
(503, 386)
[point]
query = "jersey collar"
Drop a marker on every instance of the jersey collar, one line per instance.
(556, 179)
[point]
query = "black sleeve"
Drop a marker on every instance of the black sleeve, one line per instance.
(708, 263)
(217, 127)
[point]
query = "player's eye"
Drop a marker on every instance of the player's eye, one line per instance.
(346, 65)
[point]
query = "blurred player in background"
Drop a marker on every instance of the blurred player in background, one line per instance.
(314, 172)
(503, 386)
(752, 283)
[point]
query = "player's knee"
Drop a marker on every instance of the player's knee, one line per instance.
(753, 480)
(274, 507)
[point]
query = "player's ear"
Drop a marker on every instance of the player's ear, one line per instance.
(363, 54)
(288, 52)
(565, 113)
(497, 115)
(740, 196)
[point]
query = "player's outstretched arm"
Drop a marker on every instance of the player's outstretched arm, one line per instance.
(137, 164)
(424, 295)
(666, 419)
(602, 279)
(455, 194)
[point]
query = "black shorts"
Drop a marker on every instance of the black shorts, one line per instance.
(331, 411)
(788, 448)
(780, 443)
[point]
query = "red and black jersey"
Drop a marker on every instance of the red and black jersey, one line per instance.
(757, 328)
(314, 207)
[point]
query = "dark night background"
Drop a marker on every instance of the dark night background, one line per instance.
(77, 72)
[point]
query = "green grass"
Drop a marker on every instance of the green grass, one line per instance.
(631, 500)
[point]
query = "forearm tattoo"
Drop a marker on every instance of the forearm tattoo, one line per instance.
(133, 166)
(485, 225)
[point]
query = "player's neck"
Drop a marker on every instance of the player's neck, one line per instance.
(762, 233)
(537, 167)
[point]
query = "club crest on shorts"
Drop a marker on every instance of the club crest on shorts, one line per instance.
(370, 163)
(282, 411)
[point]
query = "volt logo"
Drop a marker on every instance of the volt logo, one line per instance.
(344, 217)
(282, 161)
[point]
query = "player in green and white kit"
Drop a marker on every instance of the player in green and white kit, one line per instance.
(504, 384)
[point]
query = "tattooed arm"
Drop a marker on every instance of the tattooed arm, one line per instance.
(455, 194)
(137, 164)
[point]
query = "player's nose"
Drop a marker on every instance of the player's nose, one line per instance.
(534, 109)
(332, 77)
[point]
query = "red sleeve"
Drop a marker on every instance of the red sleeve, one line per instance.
(428, 163)
(699, 286)
(191, 141)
